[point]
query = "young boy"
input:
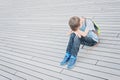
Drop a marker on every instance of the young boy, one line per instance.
(82, 32)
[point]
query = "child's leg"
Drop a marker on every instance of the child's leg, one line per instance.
(74, 52)
(68, 50)
(70, 43)
(89, 41)
(75, 46)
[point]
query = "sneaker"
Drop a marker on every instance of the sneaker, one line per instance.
(72, 62)
(66, 59)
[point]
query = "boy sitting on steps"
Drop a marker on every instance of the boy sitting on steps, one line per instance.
(82, 32)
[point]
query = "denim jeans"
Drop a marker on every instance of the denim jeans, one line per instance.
(75, 41)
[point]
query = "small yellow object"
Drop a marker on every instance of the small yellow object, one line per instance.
(98, 28)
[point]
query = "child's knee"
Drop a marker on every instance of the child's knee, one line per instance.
(76, 40)
(72, 35)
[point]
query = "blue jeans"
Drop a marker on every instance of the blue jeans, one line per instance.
(75, 41)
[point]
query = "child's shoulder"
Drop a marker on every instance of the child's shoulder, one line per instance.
(88, 19)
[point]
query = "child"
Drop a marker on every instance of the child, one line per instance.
(82, 32)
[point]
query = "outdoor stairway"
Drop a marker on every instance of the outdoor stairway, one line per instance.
(33, 40)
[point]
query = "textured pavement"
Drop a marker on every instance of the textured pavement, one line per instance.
(33, 40)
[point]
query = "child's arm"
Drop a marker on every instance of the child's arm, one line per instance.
(70, 31)
(82, 33)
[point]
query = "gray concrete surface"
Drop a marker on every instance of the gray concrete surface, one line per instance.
(33, 40)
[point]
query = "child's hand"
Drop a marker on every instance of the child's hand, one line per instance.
(77, 33)
(69, 32)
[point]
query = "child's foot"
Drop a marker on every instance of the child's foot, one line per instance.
(72, 62)
(66, 59)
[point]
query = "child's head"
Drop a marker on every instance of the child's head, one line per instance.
(74, 23)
